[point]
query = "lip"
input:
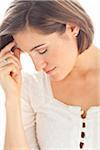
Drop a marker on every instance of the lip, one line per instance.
(49, 71)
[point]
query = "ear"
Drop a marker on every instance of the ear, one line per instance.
(73, 29)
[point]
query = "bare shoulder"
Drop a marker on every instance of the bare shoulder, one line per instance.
(96, 58)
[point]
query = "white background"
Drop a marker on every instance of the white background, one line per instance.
(93, 9)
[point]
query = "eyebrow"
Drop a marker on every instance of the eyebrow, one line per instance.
(36, 47)
(32, 48)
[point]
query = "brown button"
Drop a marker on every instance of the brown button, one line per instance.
(83, 125)
(81, 144)
(83, 115)
(82, 134)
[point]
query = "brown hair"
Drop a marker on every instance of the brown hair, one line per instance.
(48, 16)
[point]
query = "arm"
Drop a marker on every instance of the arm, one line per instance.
(15, 137)
(21, 123)
(28, 113)
(11, 81)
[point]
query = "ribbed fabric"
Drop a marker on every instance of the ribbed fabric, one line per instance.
(52, 125)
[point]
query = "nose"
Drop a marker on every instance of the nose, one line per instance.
(40, 66)
(39, 62)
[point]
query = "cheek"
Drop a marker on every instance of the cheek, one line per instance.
(55, 55)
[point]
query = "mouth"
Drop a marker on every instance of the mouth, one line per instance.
(49, 71)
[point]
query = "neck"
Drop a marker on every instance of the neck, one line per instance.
(87, 60)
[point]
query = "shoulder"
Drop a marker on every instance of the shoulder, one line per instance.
(95, 62)
(94, 74)
(94, 58)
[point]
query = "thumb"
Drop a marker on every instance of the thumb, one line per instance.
(17, 53)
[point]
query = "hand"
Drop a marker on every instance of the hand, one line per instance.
(10, 70)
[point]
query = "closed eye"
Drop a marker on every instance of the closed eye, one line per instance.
(42, 51)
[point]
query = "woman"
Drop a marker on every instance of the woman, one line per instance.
(58, 107)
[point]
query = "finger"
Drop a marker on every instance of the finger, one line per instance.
(17, 53)
(8, 70)
(9, 55)
(7, 48)
(10, 61)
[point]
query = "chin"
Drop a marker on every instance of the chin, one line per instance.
(58, 78)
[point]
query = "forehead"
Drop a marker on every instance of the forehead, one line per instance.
(29, 38)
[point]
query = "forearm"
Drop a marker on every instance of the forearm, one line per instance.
(15, 137)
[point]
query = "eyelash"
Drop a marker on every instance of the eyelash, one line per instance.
(41, 53)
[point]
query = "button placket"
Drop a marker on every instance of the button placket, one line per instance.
(83, 129)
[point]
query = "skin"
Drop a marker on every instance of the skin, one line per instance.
(77, 74)
(10, 73)
(61, 50)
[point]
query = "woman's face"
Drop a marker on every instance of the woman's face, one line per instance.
(55, 53)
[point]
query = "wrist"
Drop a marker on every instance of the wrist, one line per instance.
(12, 102)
